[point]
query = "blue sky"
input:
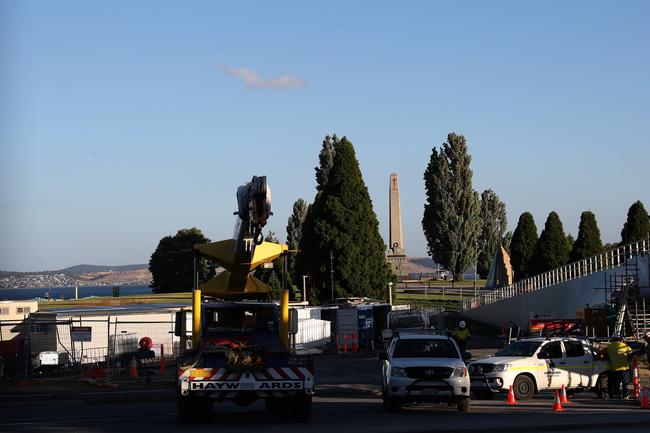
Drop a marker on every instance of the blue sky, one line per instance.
(121, 122)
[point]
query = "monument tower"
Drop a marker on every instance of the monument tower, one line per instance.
(396, 255)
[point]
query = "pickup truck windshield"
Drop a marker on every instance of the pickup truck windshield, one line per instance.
(425, 348)
(408, 322)
(519, 348)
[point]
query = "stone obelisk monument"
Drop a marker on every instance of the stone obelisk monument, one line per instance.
(395, 254)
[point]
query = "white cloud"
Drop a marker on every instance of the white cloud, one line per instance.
(254, 81)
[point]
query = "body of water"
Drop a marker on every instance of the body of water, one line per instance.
(68, 292)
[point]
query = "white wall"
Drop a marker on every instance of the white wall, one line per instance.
(561, 299)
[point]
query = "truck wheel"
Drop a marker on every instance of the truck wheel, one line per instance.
(389, 403)
(302, 407)
(463, 405)
(524, 387)
(601, 387)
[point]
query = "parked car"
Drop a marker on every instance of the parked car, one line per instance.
(421, 368)
(531, 365)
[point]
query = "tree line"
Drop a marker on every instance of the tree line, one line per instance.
(531, 255)
(335, 240)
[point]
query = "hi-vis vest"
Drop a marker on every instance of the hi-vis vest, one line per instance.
(617, 352)
(460, 334)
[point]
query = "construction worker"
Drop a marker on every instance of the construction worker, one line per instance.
(461, 335)
(646, 337)
(618, 352)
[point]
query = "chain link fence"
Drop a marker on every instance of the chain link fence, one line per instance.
(40, 345)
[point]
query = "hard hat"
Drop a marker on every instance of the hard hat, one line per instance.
(647, 335)
(461, 324)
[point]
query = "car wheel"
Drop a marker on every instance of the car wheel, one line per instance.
(390, 404)
(463, 405)
(601, 387)
(524, 387)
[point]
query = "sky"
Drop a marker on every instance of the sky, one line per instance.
(122, 122)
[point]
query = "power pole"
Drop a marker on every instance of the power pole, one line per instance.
(332, 273)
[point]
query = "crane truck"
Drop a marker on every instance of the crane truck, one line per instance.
(240, 339)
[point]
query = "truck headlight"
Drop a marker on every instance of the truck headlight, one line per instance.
(459, 372)
(397, 372)
(502, 367)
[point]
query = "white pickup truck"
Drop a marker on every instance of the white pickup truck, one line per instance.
(531, 365)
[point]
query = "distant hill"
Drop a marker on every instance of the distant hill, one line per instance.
(85, 269)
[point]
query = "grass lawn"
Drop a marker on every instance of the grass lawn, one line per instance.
(108, 301)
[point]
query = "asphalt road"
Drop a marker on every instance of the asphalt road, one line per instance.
(155, 411)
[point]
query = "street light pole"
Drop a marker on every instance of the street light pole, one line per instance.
(332, 273)
(304, 288)
(390, 293)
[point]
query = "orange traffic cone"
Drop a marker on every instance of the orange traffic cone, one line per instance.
(557, 406)
(511, 397)
(644, 400)
(133, 371)
(563, 397)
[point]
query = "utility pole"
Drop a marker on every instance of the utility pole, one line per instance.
(475, 268)
(332, 273)
(390, 293)
(304, 288)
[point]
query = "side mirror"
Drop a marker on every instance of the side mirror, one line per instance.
(293, 321)
(467, 356)
(383, 356)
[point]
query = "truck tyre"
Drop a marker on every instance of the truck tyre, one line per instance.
(192, 410)
(601, 386)
(463, 405)
(524, 387)
(389, 403)
(302, 407)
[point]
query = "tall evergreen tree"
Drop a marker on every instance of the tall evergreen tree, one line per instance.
(494, 224)
(326, 161)
(637, 226)
(452, 221)
(294, 233)
(522, 246)
(342, 222)
(588, 242)
(552, 249)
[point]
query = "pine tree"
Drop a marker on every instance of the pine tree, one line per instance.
(494, 224)
(451, 221)
(637, 226)
(294, 233)
(342, 222)
(551, 250)
(588, 242)
(522, 245)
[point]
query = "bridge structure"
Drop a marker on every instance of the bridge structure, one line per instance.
(618, 277)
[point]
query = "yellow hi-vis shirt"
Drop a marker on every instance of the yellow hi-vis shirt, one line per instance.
(617, 352)
(460, 334)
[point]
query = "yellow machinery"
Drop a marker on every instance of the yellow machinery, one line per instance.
(240, 351)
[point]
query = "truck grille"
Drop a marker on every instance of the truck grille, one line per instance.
(481, 368)
(429, 372)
